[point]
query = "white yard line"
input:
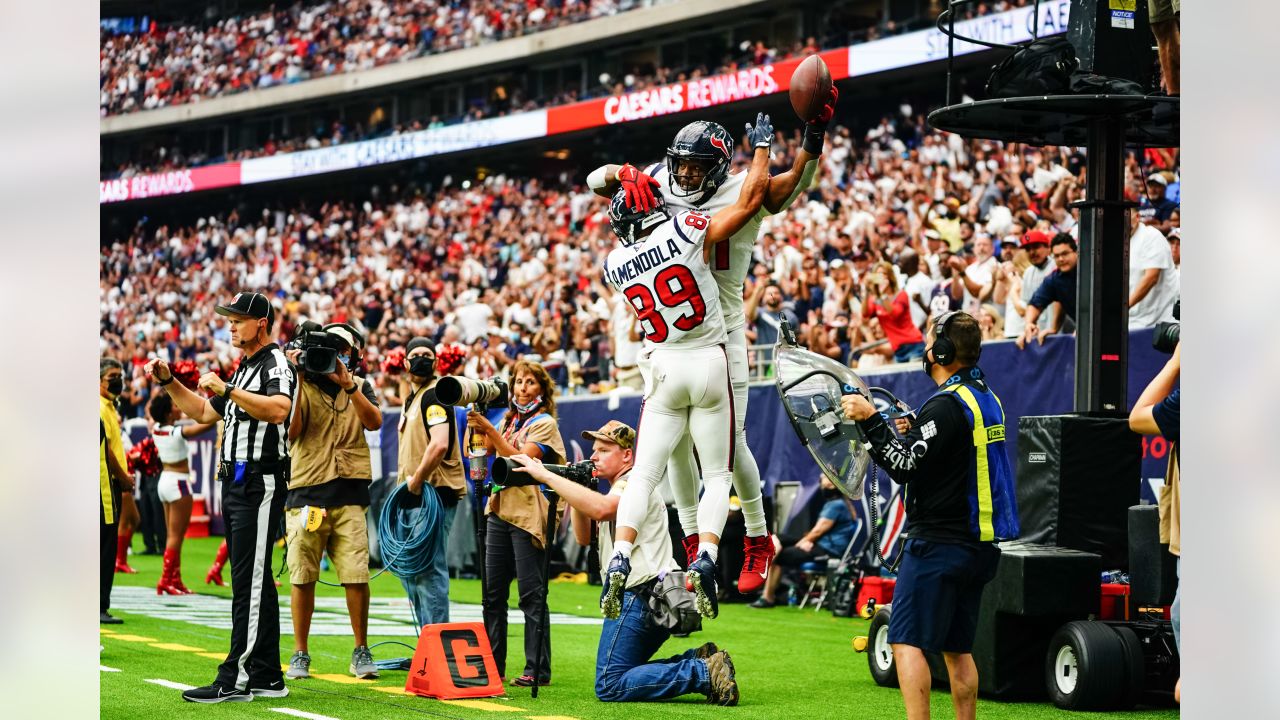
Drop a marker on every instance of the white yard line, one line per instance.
(302, 714)
(104, 668)
(169, 684)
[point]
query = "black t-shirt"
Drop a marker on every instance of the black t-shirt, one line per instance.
(341, 491)
(932, 461)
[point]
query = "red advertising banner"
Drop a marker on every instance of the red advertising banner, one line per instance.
(690, 95)
(169, 183)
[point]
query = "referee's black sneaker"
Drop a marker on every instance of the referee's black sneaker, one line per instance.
(216, 693)
(276, 689)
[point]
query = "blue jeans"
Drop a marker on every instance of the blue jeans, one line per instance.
(908, 352)
(429, 591)
(624, 671)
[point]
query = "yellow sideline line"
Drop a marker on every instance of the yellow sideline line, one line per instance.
(134, 638)
(177, 647)
(483, 705)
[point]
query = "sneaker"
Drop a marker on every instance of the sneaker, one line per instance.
(724, 683)
(760, 602)
(216, 693)
(690, 543)
(702, 575)
(615, 582)
(757, 554)
(362, 663)
(299, 666)
(706, 651)
(527, 681)
(276, 689)
(109, 619)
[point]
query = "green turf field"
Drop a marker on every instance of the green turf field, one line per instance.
(791, 664)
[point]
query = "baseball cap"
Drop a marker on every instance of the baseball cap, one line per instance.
(615, 432)
(254, 305)
(345, 333)
(1036, 237)
(932, 235)
(1157, 178)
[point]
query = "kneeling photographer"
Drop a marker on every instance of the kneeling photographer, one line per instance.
(329, 481)
(625, 671)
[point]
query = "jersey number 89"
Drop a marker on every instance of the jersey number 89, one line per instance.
(674, 286)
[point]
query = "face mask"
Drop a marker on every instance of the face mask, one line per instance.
(926, 363)
(422, 366)
(115, 386)
(528, 407)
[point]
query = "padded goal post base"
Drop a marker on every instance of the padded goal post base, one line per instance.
(453, 661)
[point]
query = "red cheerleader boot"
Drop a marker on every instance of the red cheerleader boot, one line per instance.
(175, 579)
(214, 576)
(122, 553)
(165, 586)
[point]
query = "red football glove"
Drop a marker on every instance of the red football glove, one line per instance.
(637, 186)
(829, 109)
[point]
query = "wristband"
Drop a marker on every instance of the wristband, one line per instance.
(814, 136)
(351, 390)
(162, 383)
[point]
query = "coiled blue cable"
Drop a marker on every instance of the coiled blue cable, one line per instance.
(408, 530)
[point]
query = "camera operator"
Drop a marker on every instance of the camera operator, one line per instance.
(113, 480)
(429, 455)
(254, 468)
(960, 501)
(515, 526)
(330, 473)
(624, 670)
(1158, 412)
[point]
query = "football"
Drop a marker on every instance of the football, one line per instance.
(810, 85)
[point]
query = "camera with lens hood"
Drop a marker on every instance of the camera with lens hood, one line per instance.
(485, 395)
(319, 349)
(507, 473)
(1167, 334)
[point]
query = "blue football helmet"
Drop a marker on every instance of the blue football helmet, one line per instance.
(630, 225)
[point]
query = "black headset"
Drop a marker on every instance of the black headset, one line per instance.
(944, 350)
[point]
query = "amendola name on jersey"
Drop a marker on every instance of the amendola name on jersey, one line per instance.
(670, 285)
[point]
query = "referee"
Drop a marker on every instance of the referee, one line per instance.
(253, 468)
(960, 501)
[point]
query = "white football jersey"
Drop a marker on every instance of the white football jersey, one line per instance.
(669, 285)
(731, 259)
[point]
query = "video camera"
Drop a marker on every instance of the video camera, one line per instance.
(484, 394)
(507, 473)
(1167, 334)
(319, 349)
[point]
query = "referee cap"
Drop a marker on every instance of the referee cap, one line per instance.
(254, 305)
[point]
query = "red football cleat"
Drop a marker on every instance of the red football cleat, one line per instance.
(758, 555)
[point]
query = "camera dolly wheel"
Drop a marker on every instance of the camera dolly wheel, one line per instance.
(879, 651)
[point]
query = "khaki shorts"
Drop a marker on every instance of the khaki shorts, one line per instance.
(343, 532)
(1162, 10)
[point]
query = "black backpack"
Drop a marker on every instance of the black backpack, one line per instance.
(1043, 67)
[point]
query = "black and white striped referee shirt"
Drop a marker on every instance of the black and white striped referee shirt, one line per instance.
(244, 437)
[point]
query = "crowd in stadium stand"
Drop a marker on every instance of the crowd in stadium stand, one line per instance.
(174, 65)
(505, 268)
(165, 67)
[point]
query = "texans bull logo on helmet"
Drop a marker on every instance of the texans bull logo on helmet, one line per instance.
(708, 145)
